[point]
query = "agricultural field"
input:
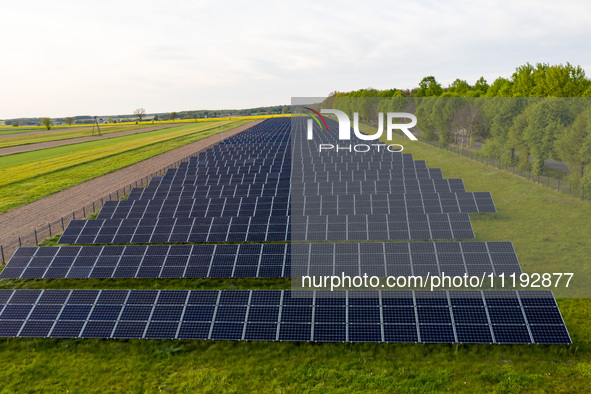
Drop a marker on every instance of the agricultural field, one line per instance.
(51, 135)
(4, 129)
(29, 176)
(139, 365)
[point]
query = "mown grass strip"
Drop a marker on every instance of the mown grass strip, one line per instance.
(62, 135)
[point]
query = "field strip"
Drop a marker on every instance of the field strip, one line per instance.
(49, 132)
(52, 144)
(26, 218)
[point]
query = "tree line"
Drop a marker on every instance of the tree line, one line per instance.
(541, 112)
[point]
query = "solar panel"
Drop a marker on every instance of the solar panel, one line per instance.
(260, 260)
(240, 191)
(282, 186)
(270, 228)
(272, 315)
(308, 205)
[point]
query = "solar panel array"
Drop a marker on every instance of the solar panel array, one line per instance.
(263, 185)
(270, 228)
(278, 315)
(262, 260)
(321, 205)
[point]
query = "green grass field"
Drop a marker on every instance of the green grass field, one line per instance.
(25, 129)
(547, 228)
(62, 135)
(29, 176)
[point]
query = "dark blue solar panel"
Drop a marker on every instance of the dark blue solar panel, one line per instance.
(261, 314)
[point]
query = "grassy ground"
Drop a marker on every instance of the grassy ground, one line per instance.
(525, 210)
(550, 230)
(29, 176)
(62, 135)
(22, 129)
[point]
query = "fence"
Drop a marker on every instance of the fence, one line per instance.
(8, 247)
(554, 183)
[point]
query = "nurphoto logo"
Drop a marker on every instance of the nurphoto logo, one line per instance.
(345, 130)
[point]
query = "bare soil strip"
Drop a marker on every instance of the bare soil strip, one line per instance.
(52, 144)
(27, 218)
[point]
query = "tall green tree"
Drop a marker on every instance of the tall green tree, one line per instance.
(47, 123)
(481, 85)
(574, 145)
(429, 87)
(546, 120)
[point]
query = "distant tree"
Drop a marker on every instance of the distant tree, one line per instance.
(574, 145)
(156, 118)
(481, 85)
(460, 87)
(15, 124)
(69, 120)
(546, 120)
(173, 116)
(465, 122)
(109, 120)
(429, 87)
(140, 113)
(47, 123)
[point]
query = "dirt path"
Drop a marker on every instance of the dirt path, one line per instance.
(27, 218)
(52, 144)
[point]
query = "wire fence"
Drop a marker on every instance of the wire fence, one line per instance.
(561, 185)
(35, 237)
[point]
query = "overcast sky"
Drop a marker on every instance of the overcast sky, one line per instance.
(63, 58)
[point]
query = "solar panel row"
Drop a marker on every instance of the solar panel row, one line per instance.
(262, 260)
(276, 187)
(308, 205)
(270, 228)
(280, 315)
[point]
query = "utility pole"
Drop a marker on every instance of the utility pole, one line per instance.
(98, 130)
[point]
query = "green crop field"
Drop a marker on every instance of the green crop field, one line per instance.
(62, 135)
(226, 366)
(26, 129)
(29, 176)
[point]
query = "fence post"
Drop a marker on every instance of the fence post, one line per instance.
(49, 225)
(93, 210)
(63, 228)
(84, 211)
(19, 242)
(36, 241)
(2, 249)
(74, 215)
